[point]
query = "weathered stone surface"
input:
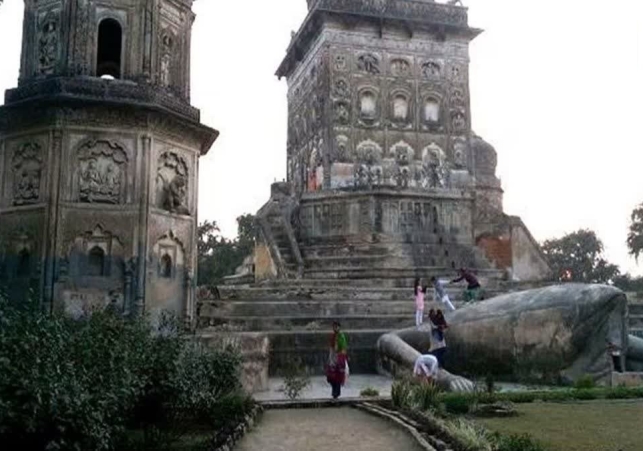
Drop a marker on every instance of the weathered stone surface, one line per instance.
(99, 175)
(560, 333)
(381, 153)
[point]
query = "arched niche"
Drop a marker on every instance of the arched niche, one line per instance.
(369, 152)
(169, 254)
(96, 255)
(367, 103)
(400, 107)
(431, 109)
(109, 49)
(402, 152)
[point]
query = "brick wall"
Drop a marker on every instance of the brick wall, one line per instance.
(497, 249)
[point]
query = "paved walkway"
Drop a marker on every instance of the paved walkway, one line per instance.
(343, 428)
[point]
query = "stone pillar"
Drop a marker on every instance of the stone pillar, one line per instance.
(146, 151)
(50, 243)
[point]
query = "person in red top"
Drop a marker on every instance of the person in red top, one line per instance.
(473, 286)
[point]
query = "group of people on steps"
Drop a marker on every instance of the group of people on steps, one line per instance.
(427, 365)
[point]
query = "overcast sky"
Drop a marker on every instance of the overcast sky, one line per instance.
(557, 88)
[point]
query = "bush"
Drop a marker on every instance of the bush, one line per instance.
(401, 392)
(584, 383)
(369, 392)
(458, 404)
(295, 380)
(425, 395)
(81, 384)
(469, 435)
(518, 443)
(585, 394)
(521, 397)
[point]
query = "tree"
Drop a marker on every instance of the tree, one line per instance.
(220, 257)
(578, 257)
(635, 237)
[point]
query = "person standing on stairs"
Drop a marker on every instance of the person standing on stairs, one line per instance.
(419, 303)
(440, 293)
(337, 367)
(473, 285)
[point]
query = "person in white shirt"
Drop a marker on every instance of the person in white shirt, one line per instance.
(440, 294)
(426, 367)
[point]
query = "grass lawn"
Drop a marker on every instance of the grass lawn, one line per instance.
(578, 426)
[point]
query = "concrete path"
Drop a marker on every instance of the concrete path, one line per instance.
(342, 428)
(319, 388)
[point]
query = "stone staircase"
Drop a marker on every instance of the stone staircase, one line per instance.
(636, 319)
(297, 315)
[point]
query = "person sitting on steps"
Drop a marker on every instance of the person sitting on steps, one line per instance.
(473, 286)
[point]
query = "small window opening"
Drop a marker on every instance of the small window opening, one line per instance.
(24, 263)
(110, 42)
(96, 263)
(166, 267)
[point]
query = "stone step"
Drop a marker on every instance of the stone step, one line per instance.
(297, 323)
(636, 321)
(635, 309)
(331, 292)
(349, 261)
(311, 347)
(318, 309)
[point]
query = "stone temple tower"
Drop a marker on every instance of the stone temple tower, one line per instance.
(99, 153)
(385, 173)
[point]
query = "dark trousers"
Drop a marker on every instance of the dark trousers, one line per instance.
(616, 359)
(336, 389)
(439, 354)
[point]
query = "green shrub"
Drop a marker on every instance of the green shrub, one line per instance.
(584, 383)
(81, 384)
(458, 404)
(369, 392)
(401, 392)
(521, 397)
(585, 394)
(425, 395)
(517, 443)
(295, 379)
(470, 436)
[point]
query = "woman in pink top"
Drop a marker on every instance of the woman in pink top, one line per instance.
(419, 303)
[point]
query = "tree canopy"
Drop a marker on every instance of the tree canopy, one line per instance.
(635, 235)
(578, 257)
(220, 257)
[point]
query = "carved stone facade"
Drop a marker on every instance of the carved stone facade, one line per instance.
(98, 199)
(379, 134)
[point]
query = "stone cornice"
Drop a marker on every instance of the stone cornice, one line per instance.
(411, 14)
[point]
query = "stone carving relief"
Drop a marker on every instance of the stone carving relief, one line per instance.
(434, 167)
(341, 88)
(342, 112)
(458, 97)
(167, 48)
(403, 153)
(48, 44)
(460, 153)
(431, 70)
(366, 176)
(172, 184)
(458, 120)
(457, 72)
(400, 67)
(368, 63)
(101, 173)
(341, 63)
(27, 173)
(403, 177)
(342, 153)
(369, 152)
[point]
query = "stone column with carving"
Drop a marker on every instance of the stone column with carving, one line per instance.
(51, 256)
(146, 150)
